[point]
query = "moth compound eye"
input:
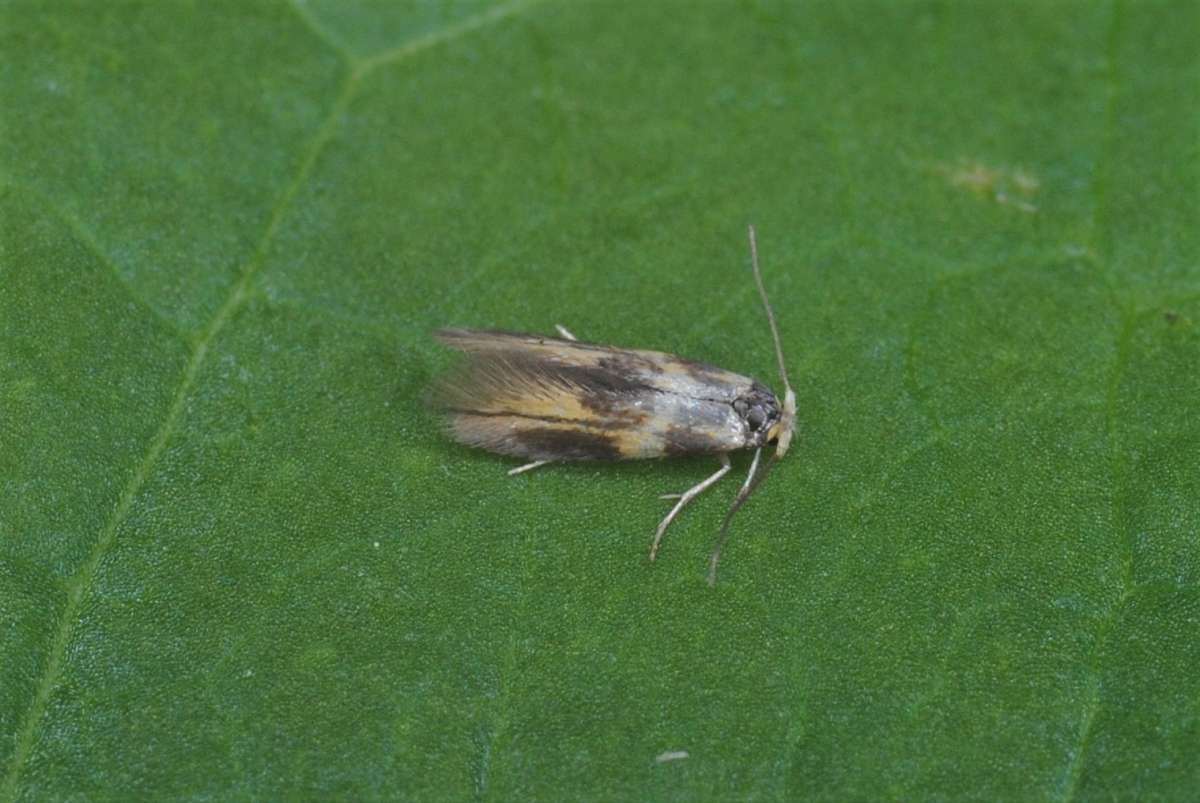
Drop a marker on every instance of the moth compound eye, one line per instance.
(757, 417)
(753, 413)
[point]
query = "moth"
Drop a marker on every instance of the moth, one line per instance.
(556, 399)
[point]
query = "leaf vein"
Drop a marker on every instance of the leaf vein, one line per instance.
(239, 293)
(1120, 485)
(320, 31)
(1118, 467)
(494, 15)
(85, 238)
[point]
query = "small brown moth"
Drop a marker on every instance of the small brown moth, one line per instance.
(550, 399)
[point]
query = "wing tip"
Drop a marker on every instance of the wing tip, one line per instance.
(451, 335)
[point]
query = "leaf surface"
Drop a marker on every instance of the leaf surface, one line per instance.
(238, 560)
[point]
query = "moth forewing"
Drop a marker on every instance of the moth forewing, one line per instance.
(545, 398)
(659, 370)
(551, 399)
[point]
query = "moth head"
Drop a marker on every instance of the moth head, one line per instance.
(760, 410)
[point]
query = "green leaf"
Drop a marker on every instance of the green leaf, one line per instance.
(238, 560)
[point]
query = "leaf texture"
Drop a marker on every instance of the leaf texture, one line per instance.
(238, 559)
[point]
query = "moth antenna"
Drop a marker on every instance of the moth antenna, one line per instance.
(750, 487)
(762, 292)
(786, 422)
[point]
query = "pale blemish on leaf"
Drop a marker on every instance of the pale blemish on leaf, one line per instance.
(1013, 187)
(671, 755)
(1076, 251)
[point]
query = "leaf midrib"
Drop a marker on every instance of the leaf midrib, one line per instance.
(357, 70)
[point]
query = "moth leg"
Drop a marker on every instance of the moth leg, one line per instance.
(686, 497)
(527, 467)
(562, 330)
(742, 495)
(745, 489)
